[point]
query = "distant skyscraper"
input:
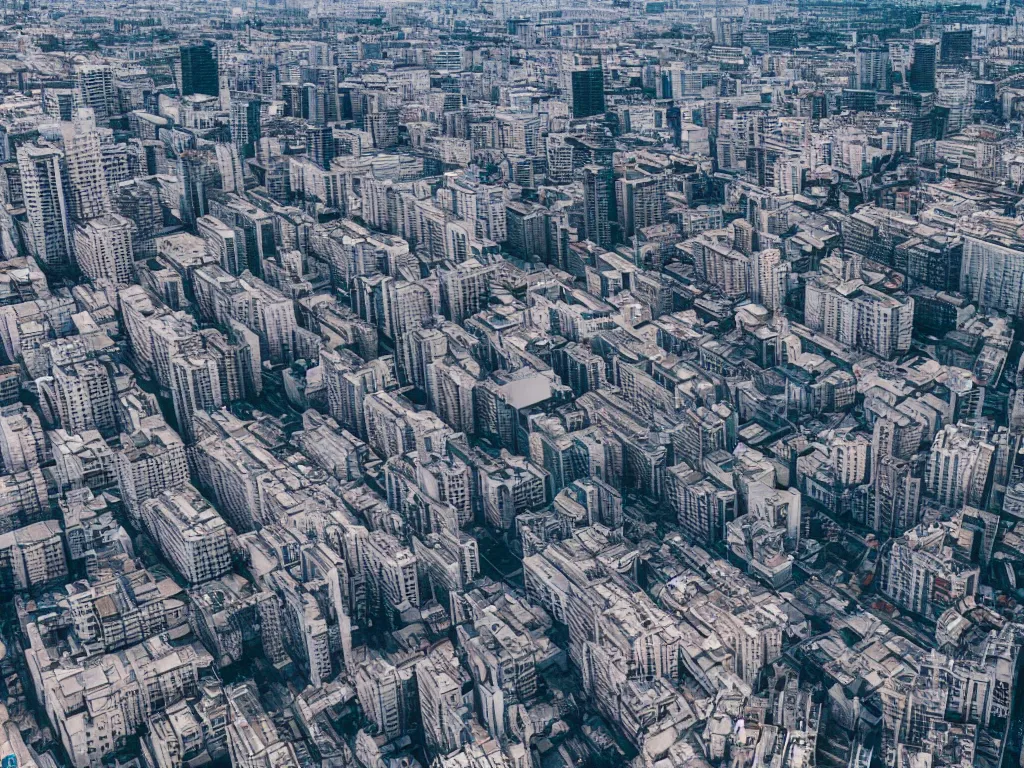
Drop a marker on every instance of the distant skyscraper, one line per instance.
(873, 68)
(46, 206)
(922, 69)
(598, 195)
(956, 46)
(197, 172)
(320, 145)
(245, 126)
(198, 70)
(588, 92)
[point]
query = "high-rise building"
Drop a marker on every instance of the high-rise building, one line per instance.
(393, 568)
(189, 532)
(199, 71)
(32, 556)
(598, 204)
(920, 573)
(103, 248)
(587, 92)
(197, 173)
(873, 68)
(384, 696)
(640, 200)
(89, 195)
(959, 466)
(196, 387)
(246, 126)
(921, 75)
(151, 460)
(464, 289)
(702, 505)
(956, 46)
(222, 243)
(992, 265)
(238, 359)
(95, 83)
(897, 498)
(84, 395)
(320, 145)
(46, 206)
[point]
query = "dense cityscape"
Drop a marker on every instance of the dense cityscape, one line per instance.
(490, 384)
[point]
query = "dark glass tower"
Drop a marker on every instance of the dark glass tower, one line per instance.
(588, 92)
(956, 46)
(198, 70)
(922, 70)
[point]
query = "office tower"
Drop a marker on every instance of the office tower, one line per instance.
(199, 70)
(955, 94)
(873, 68)
(87, 183)
(587, 92)
(103, 249)
(326, 81)
(921, 75)
(46, 206)
(189, 532)
(464, 289)
(320, 145)
(245, 126)
(956, 46)
(196, 387)
(95, 83)
(598, 197)
(222, 243)
(312, 103)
